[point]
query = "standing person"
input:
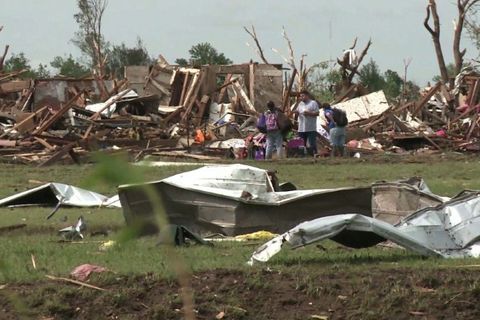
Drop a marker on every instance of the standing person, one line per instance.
(274, 134)
(337, 121)
(328, 114)
(308, 111)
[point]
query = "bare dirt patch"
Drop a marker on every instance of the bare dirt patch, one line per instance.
(260, 294)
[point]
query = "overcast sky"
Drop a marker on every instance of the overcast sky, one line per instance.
(319, 28)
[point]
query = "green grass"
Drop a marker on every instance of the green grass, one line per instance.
(445, 176)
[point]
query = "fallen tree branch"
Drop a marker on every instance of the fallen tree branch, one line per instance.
(83, 284)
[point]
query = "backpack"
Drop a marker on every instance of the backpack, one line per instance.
(262, 124)
(339, 117)
(284, 123)
(271, 121)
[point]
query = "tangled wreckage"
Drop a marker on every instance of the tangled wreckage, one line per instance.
(210, 113)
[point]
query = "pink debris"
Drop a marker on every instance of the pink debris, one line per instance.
(83, 271)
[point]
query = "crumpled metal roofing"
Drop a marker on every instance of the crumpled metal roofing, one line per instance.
(52, 193)
(449, 230)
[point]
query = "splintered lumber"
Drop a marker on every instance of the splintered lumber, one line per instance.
(99, 112)
(223, 88)
(184, 87)
(251, 79)
(58, 155)
(26, 119)
(44, 143)
(419, 105)
(193, 97)
(55, 117)
(474, 93)
(246, 102)
(191, 88)
(202, 105)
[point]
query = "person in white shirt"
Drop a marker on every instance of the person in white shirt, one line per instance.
(308, 111)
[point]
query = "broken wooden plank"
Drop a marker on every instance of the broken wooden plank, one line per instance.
(251, 82)
(56, 116)
(184, 88)
(193, 97)
(83, 284)
(99, 112)
(245, 100)
(202, 105)
(223, 88)
(44, 143)
(288, 90)
(191, 89)
(25, 120)
(58, 155)
(419, 105)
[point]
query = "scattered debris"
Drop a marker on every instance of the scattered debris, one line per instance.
(73, 233)
(83, 271)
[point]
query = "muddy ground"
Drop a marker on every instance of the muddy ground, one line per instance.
(449, 293)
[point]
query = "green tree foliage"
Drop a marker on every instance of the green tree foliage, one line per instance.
(89, 38)
(393, 84)
(121, 56)
(69, 67)
(371, 76)
(322, 82)
(450, 71)
(203, 53)
(18, 62)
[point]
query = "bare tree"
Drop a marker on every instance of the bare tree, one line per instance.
(350, 68)
(463, 7)
(2, 58)
(89, 38)
(259, 50)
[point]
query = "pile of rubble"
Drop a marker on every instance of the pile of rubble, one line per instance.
(210, 112)
(154, 110)
(441, 120)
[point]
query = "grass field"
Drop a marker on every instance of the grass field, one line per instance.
(337, 281)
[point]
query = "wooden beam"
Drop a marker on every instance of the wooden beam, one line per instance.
(288, 90)
(202, 105)
(99, 112)
(184, 88)
(424, 100)
(223, 88)
(26, 119)
(193, 96)
(58, 155)
(251, 82)
(245, 101)
(55, 117)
